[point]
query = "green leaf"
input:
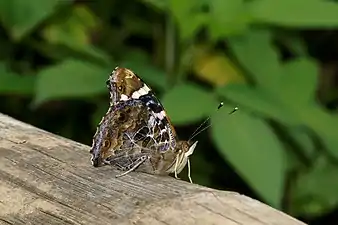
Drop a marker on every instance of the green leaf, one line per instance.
(12, 83)
(21, 16)
(325, 125)
(296, 13)
(72, 29)
(258, 100)
(189, 16)
(304, 141)
(252, 148)
(70, 79)
(256, 53)
(227, 18)
(71, 35)
(187, 103)
(181, 8)
(139, 63)
(300, 81)
(286, 110)
(315, 191)
(160, 4)
(189, 26)
(93, 54)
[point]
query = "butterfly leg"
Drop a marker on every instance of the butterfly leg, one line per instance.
(133, 165)
(176, 165)
(189, 170)
(179, 158)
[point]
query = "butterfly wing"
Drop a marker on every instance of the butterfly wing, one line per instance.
(124, 85)
(135, 126)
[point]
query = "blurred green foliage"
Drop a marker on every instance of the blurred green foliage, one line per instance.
(283, 142)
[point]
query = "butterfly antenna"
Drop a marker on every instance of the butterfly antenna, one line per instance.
(206, 120)
(234, 110)
(198, 130)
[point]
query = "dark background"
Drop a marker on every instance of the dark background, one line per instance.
(275, 60)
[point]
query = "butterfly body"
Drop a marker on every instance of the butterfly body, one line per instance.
(136, 134)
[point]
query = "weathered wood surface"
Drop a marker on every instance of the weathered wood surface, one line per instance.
(47, 179)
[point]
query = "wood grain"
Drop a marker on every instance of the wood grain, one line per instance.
(48, 179)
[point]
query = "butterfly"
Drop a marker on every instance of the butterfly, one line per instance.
(136, 133)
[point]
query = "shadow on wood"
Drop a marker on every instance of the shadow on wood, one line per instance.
(47, 179)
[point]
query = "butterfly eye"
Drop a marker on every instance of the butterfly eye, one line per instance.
(106, 144)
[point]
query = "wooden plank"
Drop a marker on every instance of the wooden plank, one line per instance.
(48, 179)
